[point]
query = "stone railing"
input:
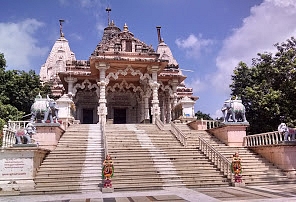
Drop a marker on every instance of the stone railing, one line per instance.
(201, 124)
(8, 139)
(211, 123)
(178, 134)
(216, 157)
(103, 126)
(16, 125)
(159, 123)
(263, 139)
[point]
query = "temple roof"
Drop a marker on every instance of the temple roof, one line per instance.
(116, 40)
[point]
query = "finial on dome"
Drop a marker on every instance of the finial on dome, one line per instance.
(158, 34)
(61, 27)
(125, 27)
(108, 11)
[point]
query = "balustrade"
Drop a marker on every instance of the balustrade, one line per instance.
(8, 138)
(178, 134)
(211, 123)
(263, 139)
(216, 157)
(159, 123)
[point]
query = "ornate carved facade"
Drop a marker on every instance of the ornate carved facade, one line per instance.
(124, 80)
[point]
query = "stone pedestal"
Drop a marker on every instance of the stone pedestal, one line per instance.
(48, 135)
(107, 190)
(18, 167)
(66, 108)
(231, 133)
(238, 184)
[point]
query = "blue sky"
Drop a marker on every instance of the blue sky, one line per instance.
(207, 37)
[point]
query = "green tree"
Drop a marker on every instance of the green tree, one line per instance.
(18, 90)
(21, 88)
(268, 88)
(203, 116)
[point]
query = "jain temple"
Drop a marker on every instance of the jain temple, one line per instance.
(123, 81)
(126, 123)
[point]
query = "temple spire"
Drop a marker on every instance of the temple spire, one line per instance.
(61, 28)
(108, 11)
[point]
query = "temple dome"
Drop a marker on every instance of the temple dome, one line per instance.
(56, 60)
(165, 53)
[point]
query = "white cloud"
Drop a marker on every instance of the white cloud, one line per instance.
(19, 44)
(270, 22)
(76, 36)
(196, 84)
(218, 114)
(194, 45)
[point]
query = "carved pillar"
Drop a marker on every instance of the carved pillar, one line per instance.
(169, 110)
(70, 80)
(146, 107)
(174, 85)
(155, 110)
(142, 110)
(102, 109)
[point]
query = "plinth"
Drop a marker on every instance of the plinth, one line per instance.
(18, 167)
(107, 190)
(48, 135)
(231, 133)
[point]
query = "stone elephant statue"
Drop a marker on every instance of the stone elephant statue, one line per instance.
(284, 129)
(234, 110)
(45, 107)
(25, 135)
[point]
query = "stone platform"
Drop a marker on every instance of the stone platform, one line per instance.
(274, 193)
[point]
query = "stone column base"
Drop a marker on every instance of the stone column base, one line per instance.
(107, 190)
(238, 184)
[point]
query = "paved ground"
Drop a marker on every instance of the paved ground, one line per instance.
(272, 193)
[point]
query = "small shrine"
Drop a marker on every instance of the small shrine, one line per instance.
(107, 174)
(236, 168)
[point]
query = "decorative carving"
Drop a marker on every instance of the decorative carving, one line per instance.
(87, 83)
(124, 85)
(167, 87)
(124, 72)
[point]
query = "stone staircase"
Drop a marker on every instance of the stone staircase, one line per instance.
(76, 163)
(256, 169)
(145, 157)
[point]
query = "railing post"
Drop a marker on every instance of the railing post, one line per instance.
(4, 140)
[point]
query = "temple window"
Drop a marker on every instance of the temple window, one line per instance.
(138, 48)
(128, 46)
(117, 47)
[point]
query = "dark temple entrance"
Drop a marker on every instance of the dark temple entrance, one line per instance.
(88, 116)
(119, 116)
